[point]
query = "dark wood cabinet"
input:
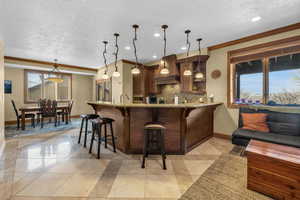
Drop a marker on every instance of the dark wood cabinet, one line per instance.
(189, 84)
(186, 82)
(139, 85)
(150, 79)
(150, 85)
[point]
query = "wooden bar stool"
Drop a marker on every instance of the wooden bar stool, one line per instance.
(85, 118)
(154, 141)
(97, 133)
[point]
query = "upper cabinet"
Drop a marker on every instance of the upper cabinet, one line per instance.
(139, 86)
(150, 79)
(192, 84)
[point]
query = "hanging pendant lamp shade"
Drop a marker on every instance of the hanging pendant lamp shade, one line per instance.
(199, 75)
(135, 70)
(164, 70)
(54, 74)
(187, 72)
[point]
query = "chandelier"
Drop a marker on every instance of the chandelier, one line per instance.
(54, 74)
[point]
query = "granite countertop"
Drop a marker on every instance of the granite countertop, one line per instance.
(142, 105)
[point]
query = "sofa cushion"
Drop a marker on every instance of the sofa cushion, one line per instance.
(284, 123)
(288, 140)
(255, 121)
(249, 110)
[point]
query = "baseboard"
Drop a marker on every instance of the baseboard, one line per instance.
(222, 136)
(13, 122)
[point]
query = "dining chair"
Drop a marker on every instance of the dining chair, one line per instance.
(48, 110)
(66, 113)
(27, 116)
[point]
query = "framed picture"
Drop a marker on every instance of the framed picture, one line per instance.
(7, 86)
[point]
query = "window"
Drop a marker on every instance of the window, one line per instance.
(265, 74)
(38, 87)
(249, 82)
(284, 80)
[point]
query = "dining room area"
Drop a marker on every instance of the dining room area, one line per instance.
(44, 99)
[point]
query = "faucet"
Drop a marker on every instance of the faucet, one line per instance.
(122, 98)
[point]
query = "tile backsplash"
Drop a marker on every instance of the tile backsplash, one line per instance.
(169, 91)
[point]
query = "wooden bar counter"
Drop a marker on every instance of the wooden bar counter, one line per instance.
(187, 125)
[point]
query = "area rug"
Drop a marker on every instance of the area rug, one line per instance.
(226, 179)
(11, 131)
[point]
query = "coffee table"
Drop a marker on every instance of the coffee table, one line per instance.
(273, 169)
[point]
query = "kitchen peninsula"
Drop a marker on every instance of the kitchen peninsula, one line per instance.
(187, 125)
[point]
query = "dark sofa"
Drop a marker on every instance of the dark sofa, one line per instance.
(284, 129)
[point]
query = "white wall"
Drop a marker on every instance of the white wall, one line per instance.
(1, 96)
(120, 85)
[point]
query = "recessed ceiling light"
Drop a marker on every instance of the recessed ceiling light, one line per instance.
(183, 48)
(255, 19)
(156, 35)
(127, 48)
(154, 56)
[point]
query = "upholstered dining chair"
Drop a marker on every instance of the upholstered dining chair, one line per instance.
(27, 116)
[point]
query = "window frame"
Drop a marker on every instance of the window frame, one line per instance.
(28, 101)
(263, 52)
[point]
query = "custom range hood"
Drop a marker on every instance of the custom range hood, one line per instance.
(173, 77)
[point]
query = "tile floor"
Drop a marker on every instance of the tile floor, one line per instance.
(53, 166)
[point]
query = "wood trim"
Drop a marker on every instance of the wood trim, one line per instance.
(271, 53)
(222, 136)
(130, 62)
(267, 44)
(263, 52)
(203, 58)
(48, 63)
(256, 36)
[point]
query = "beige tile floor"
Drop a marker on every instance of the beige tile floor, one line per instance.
(54, 167)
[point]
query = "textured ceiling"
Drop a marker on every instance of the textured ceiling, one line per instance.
(72, 30)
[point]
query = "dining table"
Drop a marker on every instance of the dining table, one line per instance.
(24, 110)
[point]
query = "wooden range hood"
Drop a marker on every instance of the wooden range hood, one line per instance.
(173, 77)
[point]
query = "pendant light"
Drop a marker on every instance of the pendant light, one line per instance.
(105, 75)
(53, 75)
(135, 70)
(164, 70)
(199, 75)
(187, 72)
(116, 73)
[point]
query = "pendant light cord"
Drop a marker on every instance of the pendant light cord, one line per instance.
(164, 27)
(135, 27)
(187, 32)
(104, 57)
(117, 50)
(199, 50)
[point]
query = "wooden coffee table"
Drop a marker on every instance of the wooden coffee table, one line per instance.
(273, 169)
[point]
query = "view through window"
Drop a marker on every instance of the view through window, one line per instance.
(281, 78)
(38, 87)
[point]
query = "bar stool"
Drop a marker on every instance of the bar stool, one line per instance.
(154, 140)
(97, 129)
(86, 118)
